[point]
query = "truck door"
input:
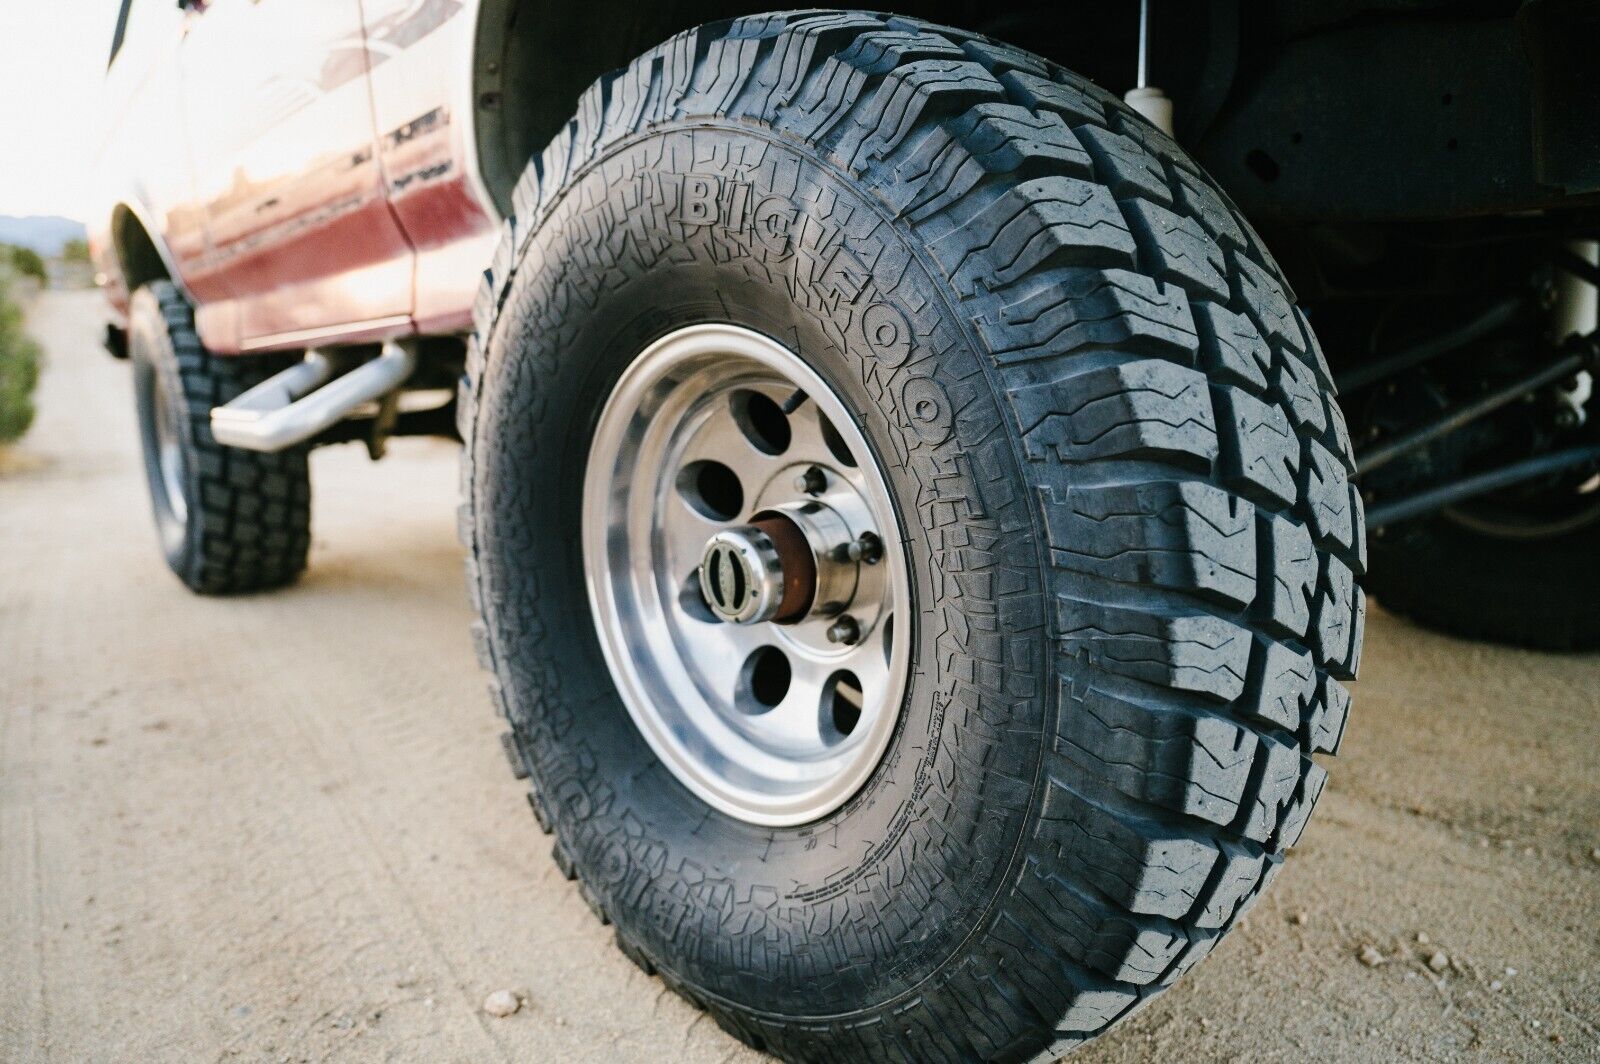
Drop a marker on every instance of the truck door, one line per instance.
(279, 111)
(422, 96)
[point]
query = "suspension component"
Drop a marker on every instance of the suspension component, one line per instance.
(1425, 502)
(1583, 356)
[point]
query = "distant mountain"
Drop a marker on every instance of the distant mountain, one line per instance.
(44, 233)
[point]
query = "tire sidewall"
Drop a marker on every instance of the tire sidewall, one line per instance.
(927, 843)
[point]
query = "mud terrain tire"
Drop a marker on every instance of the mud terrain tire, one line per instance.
(1121, 475)
(229, 521)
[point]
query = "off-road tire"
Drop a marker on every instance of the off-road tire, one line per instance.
(1121, 476)
(247, 525)
(1537, 593)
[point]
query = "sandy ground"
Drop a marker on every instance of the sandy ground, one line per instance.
(281, 828)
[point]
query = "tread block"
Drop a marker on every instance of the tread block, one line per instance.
(1337, 617)
(1327, 716)
(1157, 144)
(1279, 768)
(1200, 945)
(1188, 763)
(1314, 356)
(835, 85)
(936, 171)
(1199, 200)
(1267, 302)
(508, 746)
(558, 853)
(1143, 409)
(1055, 986)
(1281, 683)
(1066, 312)
(536, 804)
(1179, 249)
(1145, 866)
(1047, 221)
(773, 85)
(1301, 392)
(1183, 535)
(1288, 569)
(1043, 95)
(997, 57)
(1260, 452)
(1108, 941)
(1238, 875)
(1358, 532)
(1125, 166)
(1005, 138)
(1298, 813)
(895, 106)
(1231, 349)
(1340, 431)
(1200, 653)
(1327, 495)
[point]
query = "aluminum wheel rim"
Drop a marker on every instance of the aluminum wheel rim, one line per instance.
(169, 454)
(703, 691)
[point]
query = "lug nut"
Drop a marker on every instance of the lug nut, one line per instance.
(867, 548)
(812, 482)
(845, 630)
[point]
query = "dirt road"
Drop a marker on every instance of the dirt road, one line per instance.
(280, 828)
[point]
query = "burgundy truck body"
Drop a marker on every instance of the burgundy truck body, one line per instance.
(305, 168)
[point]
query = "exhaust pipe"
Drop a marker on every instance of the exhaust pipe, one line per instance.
(293, 406)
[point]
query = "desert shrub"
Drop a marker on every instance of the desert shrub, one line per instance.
(26, 262)
(19, 369)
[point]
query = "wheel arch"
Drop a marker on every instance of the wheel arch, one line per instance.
(141, 254)
(532, 59)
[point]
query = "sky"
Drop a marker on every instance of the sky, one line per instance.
(52, 58)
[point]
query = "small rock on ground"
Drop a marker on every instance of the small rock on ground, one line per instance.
(501, 1003)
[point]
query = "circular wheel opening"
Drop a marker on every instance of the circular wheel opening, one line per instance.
(762, 421)
(835, 443)
(842, 700)
(766, 678)
(713, 489)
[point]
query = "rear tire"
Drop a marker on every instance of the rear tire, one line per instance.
(228, 520)
(1121, 484)
(1538, 593)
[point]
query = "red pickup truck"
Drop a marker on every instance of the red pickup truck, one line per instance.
(916, 544)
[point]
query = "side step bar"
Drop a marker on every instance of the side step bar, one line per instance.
(305, 399)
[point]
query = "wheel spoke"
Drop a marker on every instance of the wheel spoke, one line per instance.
(719, 439)
(808, 443)
(870, 663)
(681, 533)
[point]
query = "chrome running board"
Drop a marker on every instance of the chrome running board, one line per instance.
(305, 399)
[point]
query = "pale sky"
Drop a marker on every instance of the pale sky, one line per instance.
(52, 58)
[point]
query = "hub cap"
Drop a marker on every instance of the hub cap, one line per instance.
(745, 572)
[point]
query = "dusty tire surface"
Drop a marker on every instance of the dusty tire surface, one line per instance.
(1122, 481)
(245, 519)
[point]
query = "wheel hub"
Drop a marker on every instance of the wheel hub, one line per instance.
(741, 576)
(745, 572)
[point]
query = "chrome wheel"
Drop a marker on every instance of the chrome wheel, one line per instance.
(169, 453)
(745, 574)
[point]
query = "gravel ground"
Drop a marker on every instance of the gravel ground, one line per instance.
(280, 827)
